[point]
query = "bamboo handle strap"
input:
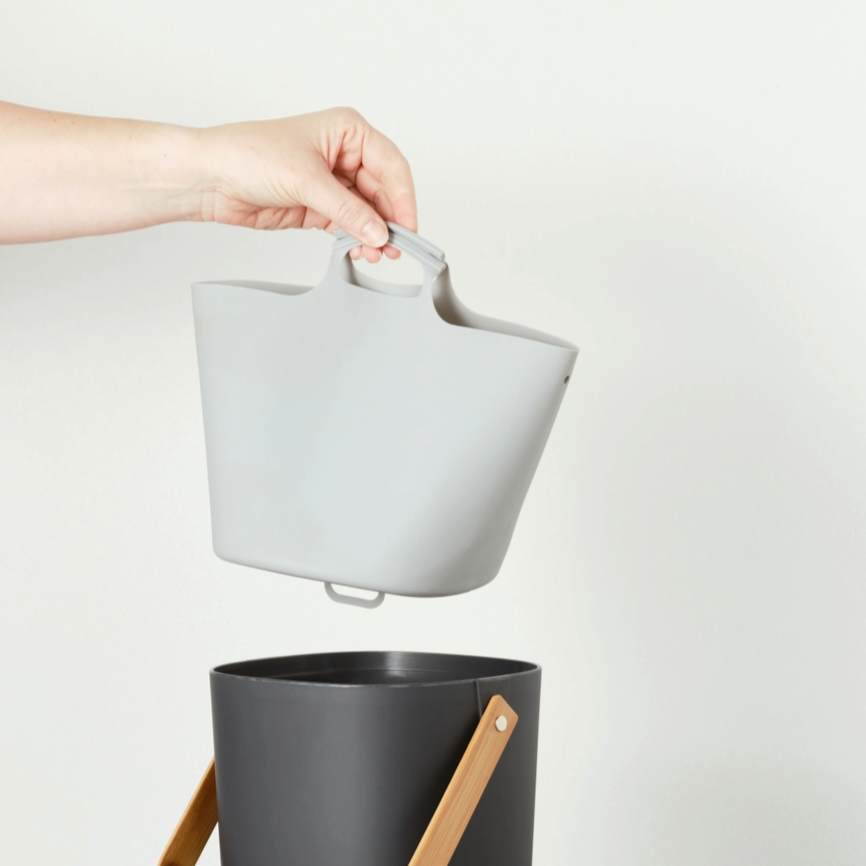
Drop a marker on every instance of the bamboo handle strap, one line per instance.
(444, 831)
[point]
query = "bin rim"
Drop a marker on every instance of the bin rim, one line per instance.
(244, 670)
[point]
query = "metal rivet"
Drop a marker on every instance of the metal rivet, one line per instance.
(501, 723)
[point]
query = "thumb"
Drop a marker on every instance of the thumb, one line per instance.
(348, 211)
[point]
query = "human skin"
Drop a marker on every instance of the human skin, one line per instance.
(66, 175)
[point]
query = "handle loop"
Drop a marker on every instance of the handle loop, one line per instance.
(368, 603)
(428, 255)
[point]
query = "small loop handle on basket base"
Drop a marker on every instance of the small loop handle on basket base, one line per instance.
(368, 603)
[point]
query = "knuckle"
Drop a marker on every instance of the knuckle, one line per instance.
(349, 211)
(348, 115)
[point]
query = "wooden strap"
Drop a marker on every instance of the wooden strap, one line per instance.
(445, 830)
(195, 827)
(467, 785)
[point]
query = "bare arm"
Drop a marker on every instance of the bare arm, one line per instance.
(65, 175)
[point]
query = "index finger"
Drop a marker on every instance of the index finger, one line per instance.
(383, 159)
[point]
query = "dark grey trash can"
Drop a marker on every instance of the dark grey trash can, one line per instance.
(341, 759)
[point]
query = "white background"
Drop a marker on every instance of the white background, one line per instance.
(677, 187)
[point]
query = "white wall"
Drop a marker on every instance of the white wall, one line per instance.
(676, 187)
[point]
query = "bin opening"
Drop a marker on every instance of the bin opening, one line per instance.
(376, 668)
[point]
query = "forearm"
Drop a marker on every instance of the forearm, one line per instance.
(64, 175)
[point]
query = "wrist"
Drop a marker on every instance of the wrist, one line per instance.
(177, 172)
(208, 157)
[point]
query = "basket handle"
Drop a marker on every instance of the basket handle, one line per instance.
(444, 831)
(431, 258)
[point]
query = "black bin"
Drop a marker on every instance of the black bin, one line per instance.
(341, 759)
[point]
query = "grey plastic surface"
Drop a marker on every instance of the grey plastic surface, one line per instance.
(341, 759)
(353, 600)
(371, 435)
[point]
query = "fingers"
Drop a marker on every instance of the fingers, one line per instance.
(374, 255)
(382, 206)
(352, 213)
(371, 254)
(367, 183)
(384, 172)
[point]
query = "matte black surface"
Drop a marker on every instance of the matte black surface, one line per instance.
(341, 759)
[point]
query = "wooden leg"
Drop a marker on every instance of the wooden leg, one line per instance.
(195, 827)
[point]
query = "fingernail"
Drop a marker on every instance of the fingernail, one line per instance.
(374, 233)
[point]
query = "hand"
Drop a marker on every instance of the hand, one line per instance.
(326, 170)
